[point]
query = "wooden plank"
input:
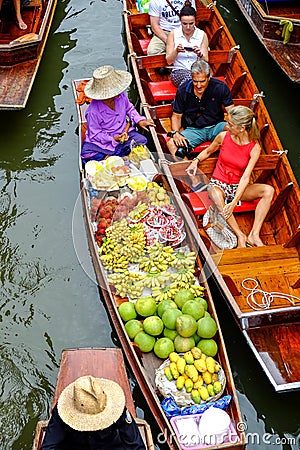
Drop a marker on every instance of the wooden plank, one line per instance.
(273, 267)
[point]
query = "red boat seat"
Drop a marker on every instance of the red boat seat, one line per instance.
(144, 43)
(195, 150)
(199, 202)
(162, 90)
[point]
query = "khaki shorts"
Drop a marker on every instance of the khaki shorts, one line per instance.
(157, 46)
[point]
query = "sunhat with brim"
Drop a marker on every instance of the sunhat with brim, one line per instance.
(107, 83)
(90, 404)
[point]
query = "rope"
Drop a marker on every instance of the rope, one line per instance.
(266, 298)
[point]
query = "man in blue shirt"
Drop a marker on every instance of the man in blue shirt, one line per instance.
(198, 108)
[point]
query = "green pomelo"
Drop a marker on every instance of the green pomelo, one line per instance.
(127, 311)
(206, 314)
(196, 337)
(182, 344)
(163, 347)
(144, 341)
(194, 309)
(171, 334)
(153, 325)
(202, 301)
(208, 346)
(207, 327)
(132, 327)
(169, 317)
(145, 306)
(164, 305)
(182, 296)
(186, 325)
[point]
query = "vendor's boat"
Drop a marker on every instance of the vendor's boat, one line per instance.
(271, 323)
(101, 363)
(21, 51)
(276, 23)
(95, 197)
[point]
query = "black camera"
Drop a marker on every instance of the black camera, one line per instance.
(184, 151)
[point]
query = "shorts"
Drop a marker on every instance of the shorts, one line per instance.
(157, 46)
(180, 75)
(228, 189)
(197, 136)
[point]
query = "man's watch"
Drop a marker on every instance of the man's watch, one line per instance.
(171, 133)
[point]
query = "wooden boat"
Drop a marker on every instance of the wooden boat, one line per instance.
(144, 365)
(270, 21)
(21, 52)
(272, 330)
(100, 363)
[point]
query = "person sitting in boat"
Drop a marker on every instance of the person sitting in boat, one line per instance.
(185, 44)
(17, 4)
(108, 132)
(230, 182)
(198, 108)
(164, 17)
(91, 414)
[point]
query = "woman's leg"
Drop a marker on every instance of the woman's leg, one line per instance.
(22, 25)
(265, 193)
(218, 197)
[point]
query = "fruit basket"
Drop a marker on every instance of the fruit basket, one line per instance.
(182, 398)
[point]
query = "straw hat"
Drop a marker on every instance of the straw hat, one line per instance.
(107, 83)
(90, 404)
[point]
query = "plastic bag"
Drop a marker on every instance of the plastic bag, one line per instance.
(171, 409)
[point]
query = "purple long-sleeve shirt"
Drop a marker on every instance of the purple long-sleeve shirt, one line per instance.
(103, 123)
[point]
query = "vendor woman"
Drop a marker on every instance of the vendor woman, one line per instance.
(109, 115)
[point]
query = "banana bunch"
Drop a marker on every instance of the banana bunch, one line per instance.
(114, 261)
(197, 290)
(184, 274)
(139, 211)
(168, 292)
(156, 279)
(108, 246)
(184, 259)
(127, 283)
(117, 230)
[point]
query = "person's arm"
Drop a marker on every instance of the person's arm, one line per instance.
(157, 30)
(202, 51)
(55, 433)
(171, 51)
(213, 147)
(129, 432)
(179, 139)
(96, 133)
(244, 181)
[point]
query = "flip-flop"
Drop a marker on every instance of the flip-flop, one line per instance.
(249, 243)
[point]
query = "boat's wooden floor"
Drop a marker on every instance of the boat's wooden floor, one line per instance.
(283, 271)
(291, 12)
(10, 81)
(287, 56)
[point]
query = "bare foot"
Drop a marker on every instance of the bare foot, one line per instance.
(255, 241)
(242, 240)
(22, 25)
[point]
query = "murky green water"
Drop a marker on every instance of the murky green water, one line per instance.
(48, 300)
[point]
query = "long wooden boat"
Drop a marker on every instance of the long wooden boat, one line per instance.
(272, 21)
(272, 330)
(101, 363)
(145, 365)
(21, 52)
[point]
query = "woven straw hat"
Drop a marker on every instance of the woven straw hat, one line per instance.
(107, 83)
(90, 404)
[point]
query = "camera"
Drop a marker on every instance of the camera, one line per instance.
(184, 151)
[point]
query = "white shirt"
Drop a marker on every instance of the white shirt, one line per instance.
(186, 59)
(168, 19)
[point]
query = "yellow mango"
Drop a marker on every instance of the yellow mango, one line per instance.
(196, 396)
(188, 356)
(185, 376)
(168, 373)
(217, 387)
(214, 377)
(217, 368)
(210, 364)
(199, 382)
(174, 370)
(173, 356)
(196, 352)
(210, 390)
(200, 365)
(203, 356)
(188, 385)
(207, 377)
(180, 365)
(203, 393)
(180, 382)
(192, 372)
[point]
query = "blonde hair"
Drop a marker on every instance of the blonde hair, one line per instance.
(243, 116)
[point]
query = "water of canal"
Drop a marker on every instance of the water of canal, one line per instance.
(48, 302)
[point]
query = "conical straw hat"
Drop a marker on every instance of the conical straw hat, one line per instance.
(107, 83)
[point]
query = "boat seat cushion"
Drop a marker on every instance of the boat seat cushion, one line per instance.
(162, 90)
(195, 150)
(199, 202)
(144, 43)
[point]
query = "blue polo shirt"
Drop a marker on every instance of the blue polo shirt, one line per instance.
(202, 112)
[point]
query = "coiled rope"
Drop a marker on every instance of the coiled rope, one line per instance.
(266, 298)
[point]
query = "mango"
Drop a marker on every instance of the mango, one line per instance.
(199, 382)
(200, 365)
(196, 352)
(196, 396)
(217, 387)
(188, 385)
(168, 373)
(181, 365)
(217, 368)
(192, 372)
(180, 382)
(210, 389)
(207, 377)
(203, 356)
(214, 377)
(173, 356)
(189, 359)
(210, 364)
(203, 393)
(174, 370)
